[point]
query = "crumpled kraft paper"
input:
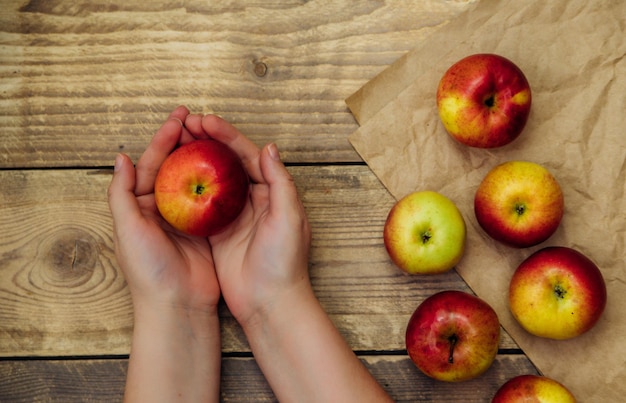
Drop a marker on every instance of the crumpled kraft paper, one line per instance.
(573, 53)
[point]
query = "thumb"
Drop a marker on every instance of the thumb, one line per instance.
(121, 191)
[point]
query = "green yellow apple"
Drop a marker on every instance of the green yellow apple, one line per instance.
(557, 293)
(425, 233)
(484, 100)
(201, 187)
(453, 336)
(519, 203)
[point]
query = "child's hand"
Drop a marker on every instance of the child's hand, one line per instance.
(264, 253)
(161, 265)
(262, 266)
(175, 352)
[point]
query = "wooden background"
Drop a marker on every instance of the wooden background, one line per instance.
(83, 80)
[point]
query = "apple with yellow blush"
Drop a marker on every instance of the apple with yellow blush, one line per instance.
(557, 293)
(533, 388)
(519, 203)
(201, 188)
(484, 100)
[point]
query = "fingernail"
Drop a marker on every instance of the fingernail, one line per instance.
(178, 120)
(273, 151)
(118, 163)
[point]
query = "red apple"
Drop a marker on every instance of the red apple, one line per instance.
(453, 336)
(558, 293)
(425, 233)
(533, 388)
(201, 187)
(484, 101)
(519, 203)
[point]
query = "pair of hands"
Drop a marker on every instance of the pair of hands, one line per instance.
(259, 264)
(262, 254)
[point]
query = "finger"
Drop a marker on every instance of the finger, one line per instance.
(283, 196)
(180, 113)
(248, 152)
(121, 195)
(185, 136)
(193, 123)
(163, 143)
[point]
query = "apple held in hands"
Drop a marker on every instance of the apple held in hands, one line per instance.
(533, 388)
(201, 187)
(425, 233)
(484, 101)
(453, 336)
(519, 203)
(557, 293)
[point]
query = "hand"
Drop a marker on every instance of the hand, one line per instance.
(262, 266)
(175, 352)
(161, 265)
(264, 253)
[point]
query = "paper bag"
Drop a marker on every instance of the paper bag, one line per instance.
(573, 54)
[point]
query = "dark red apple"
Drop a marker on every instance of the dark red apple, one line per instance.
(453, 336)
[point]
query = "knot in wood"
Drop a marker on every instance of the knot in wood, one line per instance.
(260, 69)
(71, 258)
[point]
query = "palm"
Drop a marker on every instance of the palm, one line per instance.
(237, 249)
(258, 255)
(164, 262)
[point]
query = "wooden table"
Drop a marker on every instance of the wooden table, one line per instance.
(83, 80)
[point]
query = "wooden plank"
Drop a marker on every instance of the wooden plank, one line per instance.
(82, 80)
(97, 380)
(61, 291)
(102, 380)
(60, 288)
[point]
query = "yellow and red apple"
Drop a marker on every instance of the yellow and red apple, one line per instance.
(453, 336)
(484, 101)
(201, 188)
(557, 293)
(533, 388)
(425, 233)
(519, 203)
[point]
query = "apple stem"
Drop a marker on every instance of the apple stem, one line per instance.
(453, 340)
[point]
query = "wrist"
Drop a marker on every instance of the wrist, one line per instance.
(175, 352)
(279, 309)
(303, 355)
(170, 319)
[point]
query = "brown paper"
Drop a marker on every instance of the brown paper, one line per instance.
(573, 54)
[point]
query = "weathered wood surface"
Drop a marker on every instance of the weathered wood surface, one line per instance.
(61, 292)
(83, 80)
(62, 295)
(102, 380)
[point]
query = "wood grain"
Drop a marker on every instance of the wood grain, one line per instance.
(61, 291)
(83, 80)
(102, 380)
